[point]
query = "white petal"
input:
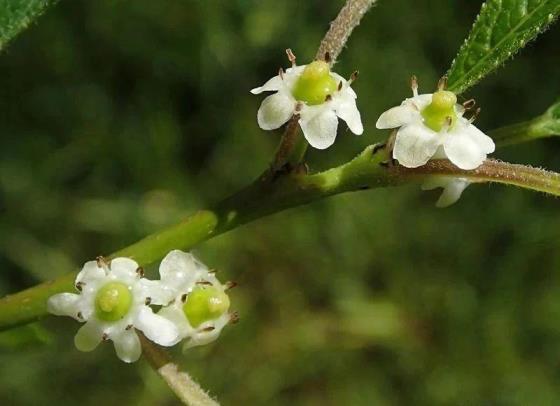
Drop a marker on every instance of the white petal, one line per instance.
(415, 145)
(319, 129)
(396, 117)
(88, 336)
(90, 273)
(463, 151)
(270, 86)
(348, 111)
(275, 110)
(419, 101)
(124, 268)
(158, 329)
(127, 346)
(485, 143)
(452, 189)
(64, 304)
(158, 292)
(180, 269)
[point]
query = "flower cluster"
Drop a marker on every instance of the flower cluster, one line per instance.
(432, 126)
(115, 300)
(318, 96)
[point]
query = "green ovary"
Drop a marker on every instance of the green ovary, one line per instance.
(314, 84)
(440, 110)
(205, 303)
(113, 301)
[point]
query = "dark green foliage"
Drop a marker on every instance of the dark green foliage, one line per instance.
(17, 15)
(502, 28)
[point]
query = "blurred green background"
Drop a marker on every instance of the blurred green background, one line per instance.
(120, 117)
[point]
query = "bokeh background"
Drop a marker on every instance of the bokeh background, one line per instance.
(120, 117)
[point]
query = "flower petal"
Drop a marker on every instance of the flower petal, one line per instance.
(348, 111)
(158, 292)
(124, 268)
(396, 117)
(178, 270)
(127, 346)
(463, 151)
(64, 304)
(415, 145)
(452, 189)
(271, 85)
(88, 336)
(319, 129)
(90, 273)
(485, 143)
(275, 110)
(158, 329)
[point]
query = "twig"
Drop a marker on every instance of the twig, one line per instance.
(186, 389)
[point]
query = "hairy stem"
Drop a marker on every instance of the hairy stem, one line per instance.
(181, 383)
(367, 170)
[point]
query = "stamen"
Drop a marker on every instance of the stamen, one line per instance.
(128, 327)
(469, 104)
(442, 83)
(328, 98)
(230, 285)
(204, 283)
(80, 315)
(281, 73)
(184, 297)
(148, 301)
(233, 317)
(339, 86)
(353, 76)
(291, 57)
(140, 272)
(102, 263)
(79, 285)
(105, 337)
(474, 116)
(414, 85)
(208, 329)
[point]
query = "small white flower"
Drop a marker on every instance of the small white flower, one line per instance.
(200, 304)
(452, 188)
(432, 126)
(113, 301)
(318, 95)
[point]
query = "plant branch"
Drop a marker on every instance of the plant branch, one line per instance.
(367, 170)
(181, 383)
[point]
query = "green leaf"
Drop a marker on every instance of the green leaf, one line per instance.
(17, 15)
(502, 28)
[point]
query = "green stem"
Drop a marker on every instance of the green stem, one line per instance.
(367, 170)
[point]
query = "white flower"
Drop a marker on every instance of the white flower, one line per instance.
(452, 188)
(318, 95)
(200, 305)
(113, 301)
(432, 126)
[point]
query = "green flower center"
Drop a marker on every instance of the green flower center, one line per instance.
(113, 301)
(315, 84)
(440, 110)
(205, 303)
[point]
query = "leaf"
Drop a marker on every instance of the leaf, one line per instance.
(501, 29)
(17, 15)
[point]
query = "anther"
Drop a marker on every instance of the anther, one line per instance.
(414, 85)
(140, 272)
(79, 285)
(230, 285)
(128, 327)
(148, 301)
(328, 98)
(281, 73)
(233, 317)
(291, 57)
(327, 57)
(102, 262)
(354, 76)
(204, 283)
(339, 86)
(442, 83)
(80, 315)
(105, 337)
(208, 329)
(469, 104)
(184, 297)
